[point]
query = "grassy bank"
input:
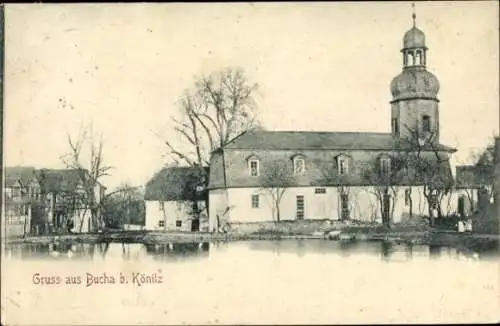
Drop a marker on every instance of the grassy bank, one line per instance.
(416, 232)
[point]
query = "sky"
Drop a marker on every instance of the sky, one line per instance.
(321, 66)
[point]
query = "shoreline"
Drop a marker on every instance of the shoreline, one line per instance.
(147, 237)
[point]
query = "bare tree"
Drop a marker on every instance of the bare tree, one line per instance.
(124, 205)
(91, 170)
(275, 179)
(483, 162)
(330, 175)
(219, 108)
(384, 178)
(428, 165)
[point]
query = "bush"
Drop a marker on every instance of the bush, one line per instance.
(486, 222)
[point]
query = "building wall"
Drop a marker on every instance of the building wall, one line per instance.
(17, 212)
(218, 205)
(164, 215)
(363, 204)
(81, 218)
(17, 224)
(470, 200)
(409, 112)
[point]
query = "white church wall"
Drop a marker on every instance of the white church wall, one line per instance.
(364, 204)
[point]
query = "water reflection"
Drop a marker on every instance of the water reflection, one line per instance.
(106, 250)
(178, 251)
(389, 251)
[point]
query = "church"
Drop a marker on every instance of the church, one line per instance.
(379, 177)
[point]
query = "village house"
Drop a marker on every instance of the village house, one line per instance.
(270, 175)
(474, 188)
(67, 204)
(176, 200)
(21, 191)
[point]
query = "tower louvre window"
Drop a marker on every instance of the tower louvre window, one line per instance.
(395, 126)
(426, 123)
(419, 57)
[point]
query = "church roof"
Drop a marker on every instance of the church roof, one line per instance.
(229, 168)
(312, 140)
(414, 38)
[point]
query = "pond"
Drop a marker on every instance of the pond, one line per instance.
(287, 281)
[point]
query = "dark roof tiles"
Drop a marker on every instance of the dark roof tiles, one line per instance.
(311, 140)
(23, 174)
(176, 183)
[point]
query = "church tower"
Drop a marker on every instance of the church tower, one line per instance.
(414, 92)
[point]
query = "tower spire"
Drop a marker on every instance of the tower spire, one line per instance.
(413, 15)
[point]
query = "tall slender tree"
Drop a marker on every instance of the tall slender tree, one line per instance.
(220, 107)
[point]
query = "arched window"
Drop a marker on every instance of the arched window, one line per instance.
(426, 123)
(299, 165)
(385, 165)
(343, 164)
(253, 165)
(418, 58)
(409, 59)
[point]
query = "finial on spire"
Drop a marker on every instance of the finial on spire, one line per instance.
(413, 15)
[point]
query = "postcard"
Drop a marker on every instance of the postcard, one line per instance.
(250, 163)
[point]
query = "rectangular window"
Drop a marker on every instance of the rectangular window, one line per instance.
(178, 223)
(344, 204)
(407, 197)
(299, 167)
(161, 223)
(254, 168)
(255, 201)
(426, 123)
(385, 166)
(320, 190)
(300, 207)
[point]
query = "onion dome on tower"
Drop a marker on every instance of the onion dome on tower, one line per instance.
(414, 81)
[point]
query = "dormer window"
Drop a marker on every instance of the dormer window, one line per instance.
(343, 165)
(299, 166)
(253, 166)
(385, 165)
